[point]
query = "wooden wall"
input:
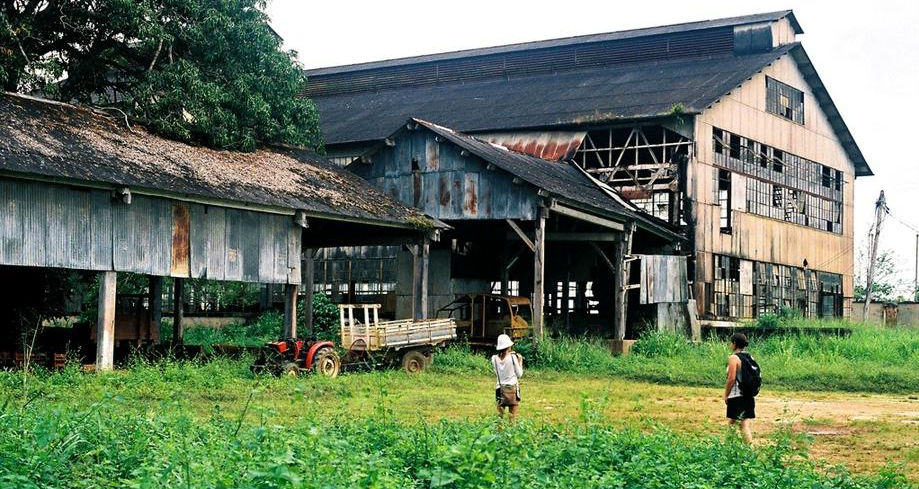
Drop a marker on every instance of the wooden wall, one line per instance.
(52, 225)
(447, 185)
(753, 237)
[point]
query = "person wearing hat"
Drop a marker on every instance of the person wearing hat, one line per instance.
(508, 366)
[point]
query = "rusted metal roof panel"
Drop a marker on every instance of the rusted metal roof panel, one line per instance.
(548, 145)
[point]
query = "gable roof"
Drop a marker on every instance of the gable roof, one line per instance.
(566, 41)
(600, 95)
(562, 180)
(41, 138)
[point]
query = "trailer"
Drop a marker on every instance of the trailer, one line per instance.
(410, 342)
(368, 342)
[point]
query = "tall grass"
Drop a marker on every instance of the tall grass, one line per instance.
(110, 444)
(869, 360)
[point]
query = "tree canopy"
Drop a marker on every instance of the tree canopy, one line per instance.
(205, 71)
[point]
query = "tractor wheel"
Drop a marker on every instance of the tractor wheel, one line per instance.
(326, 362)
(291, 369)
(413, 361)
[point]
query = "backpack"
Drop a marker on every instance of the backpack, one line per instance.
(750, 379)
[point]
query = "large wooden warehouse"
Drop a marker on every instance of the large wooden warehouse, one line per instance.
(721, 130)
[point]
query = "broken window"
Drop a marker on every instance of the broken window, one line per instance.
(784, 100)
(724, 199)
(783, 185)
(732, 297)
(658, 204)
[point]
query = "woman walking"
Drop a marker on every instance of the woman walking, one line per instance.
(508, 367)
(741, 406)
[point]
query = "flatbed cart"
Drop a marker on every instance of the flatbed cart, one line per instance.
(376, 343)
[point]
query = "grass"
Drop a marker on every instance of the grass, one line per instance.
(869, 360)
(214, 425)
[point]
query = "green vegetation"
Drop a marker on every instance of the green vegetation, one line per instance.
(208, 72)
(214, 425)
(870, 360)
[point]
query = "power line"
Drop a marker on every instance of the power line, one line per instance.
(901, 221)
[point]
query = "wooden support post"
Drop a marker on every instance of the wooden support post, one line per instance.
(156, 305)
(623, 251)
(178, 306)
(308, 268)
(505, 272)
(425, 266)
(416, 280)
(539, 272)
(105, 322)
(291, 292)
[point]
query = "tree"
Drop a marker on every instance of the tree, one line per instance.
(205, 71)
(886, 283)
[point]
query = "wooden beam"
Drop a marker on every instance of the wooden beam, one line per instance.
(105, 322)
(178, 313)
(309, 273)
(156, 305)
(583, 216)
(539, 273)
(522, 235)
(425, 268)
(623, 251)
(291, 292)
(416, 280)
(577, 236)
(605, 259)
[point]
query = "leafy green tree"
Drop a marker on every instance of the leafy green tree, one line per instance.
(886, 286)
(206, 71)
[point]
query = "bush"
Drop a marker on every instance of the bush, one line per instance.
(325, 319)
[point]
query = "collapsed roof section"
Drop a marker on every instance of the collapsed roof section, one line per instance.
(50, 140)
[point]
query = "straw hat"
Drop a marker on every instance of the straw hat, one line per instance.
(504, 341)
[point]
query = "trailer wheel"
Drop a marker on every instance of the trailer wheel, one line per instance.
(413, 361)
(326, 362)
(291, 369)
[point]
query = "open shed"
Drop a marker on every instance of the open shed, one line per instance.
(80, 189)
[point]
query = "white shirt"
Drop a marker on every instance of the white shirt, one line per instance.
(508, 370)
(735, 389)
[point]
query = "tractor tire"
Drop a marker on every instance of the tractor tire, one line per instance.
(414, 361)
(291, 369)
(326, 362)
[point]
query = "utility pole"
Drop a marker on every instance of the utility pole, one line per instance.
(916, 273)
(880, 210)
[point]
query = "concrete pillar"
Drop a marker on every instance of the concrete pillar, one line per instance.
(178, 306)
(156, 305)
(539, 272)
(291, 291)
(105, 322)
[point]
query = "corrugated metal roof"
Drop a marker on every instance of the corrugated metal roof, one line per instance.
(567, 41)
(562, 180)
(588, 96)
(56, 140)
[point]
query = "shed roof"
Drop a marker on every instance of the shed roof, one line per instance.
(562, 180)
(60, 141)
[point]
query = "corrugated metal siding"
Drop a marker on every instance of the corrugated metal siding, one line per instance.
(48, 225)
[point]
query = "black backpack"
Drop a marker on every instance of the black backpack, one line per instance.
(750, 379)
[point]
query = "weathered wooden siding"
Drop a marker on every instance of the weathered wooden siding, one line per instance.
(50, 225)
(446, 184)
(754, 237)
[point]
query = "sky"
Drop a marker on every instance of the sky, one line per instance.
(867, 54)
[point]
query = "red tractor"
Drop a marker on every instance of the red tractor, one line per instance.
(291, 357)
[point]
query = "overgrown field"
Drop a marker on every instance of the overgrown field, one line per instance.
(180, 424)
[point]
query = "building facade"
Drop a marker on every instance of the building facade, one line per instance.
(721, 129)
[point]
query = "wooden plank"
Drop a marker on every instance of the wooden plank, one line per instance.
(234, 231)
(198, 238)
(309, 273)
(519, 232)
(292, 265)
(101, 231)
(216, 219)
(291, 292)
(425, 268)
(181, 246)
(583, 216)
(266, 254)
(178, 314)
(156, 304)
(105, 322)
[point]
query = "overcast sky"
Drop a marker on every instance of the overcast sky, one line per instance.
(867, 54)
